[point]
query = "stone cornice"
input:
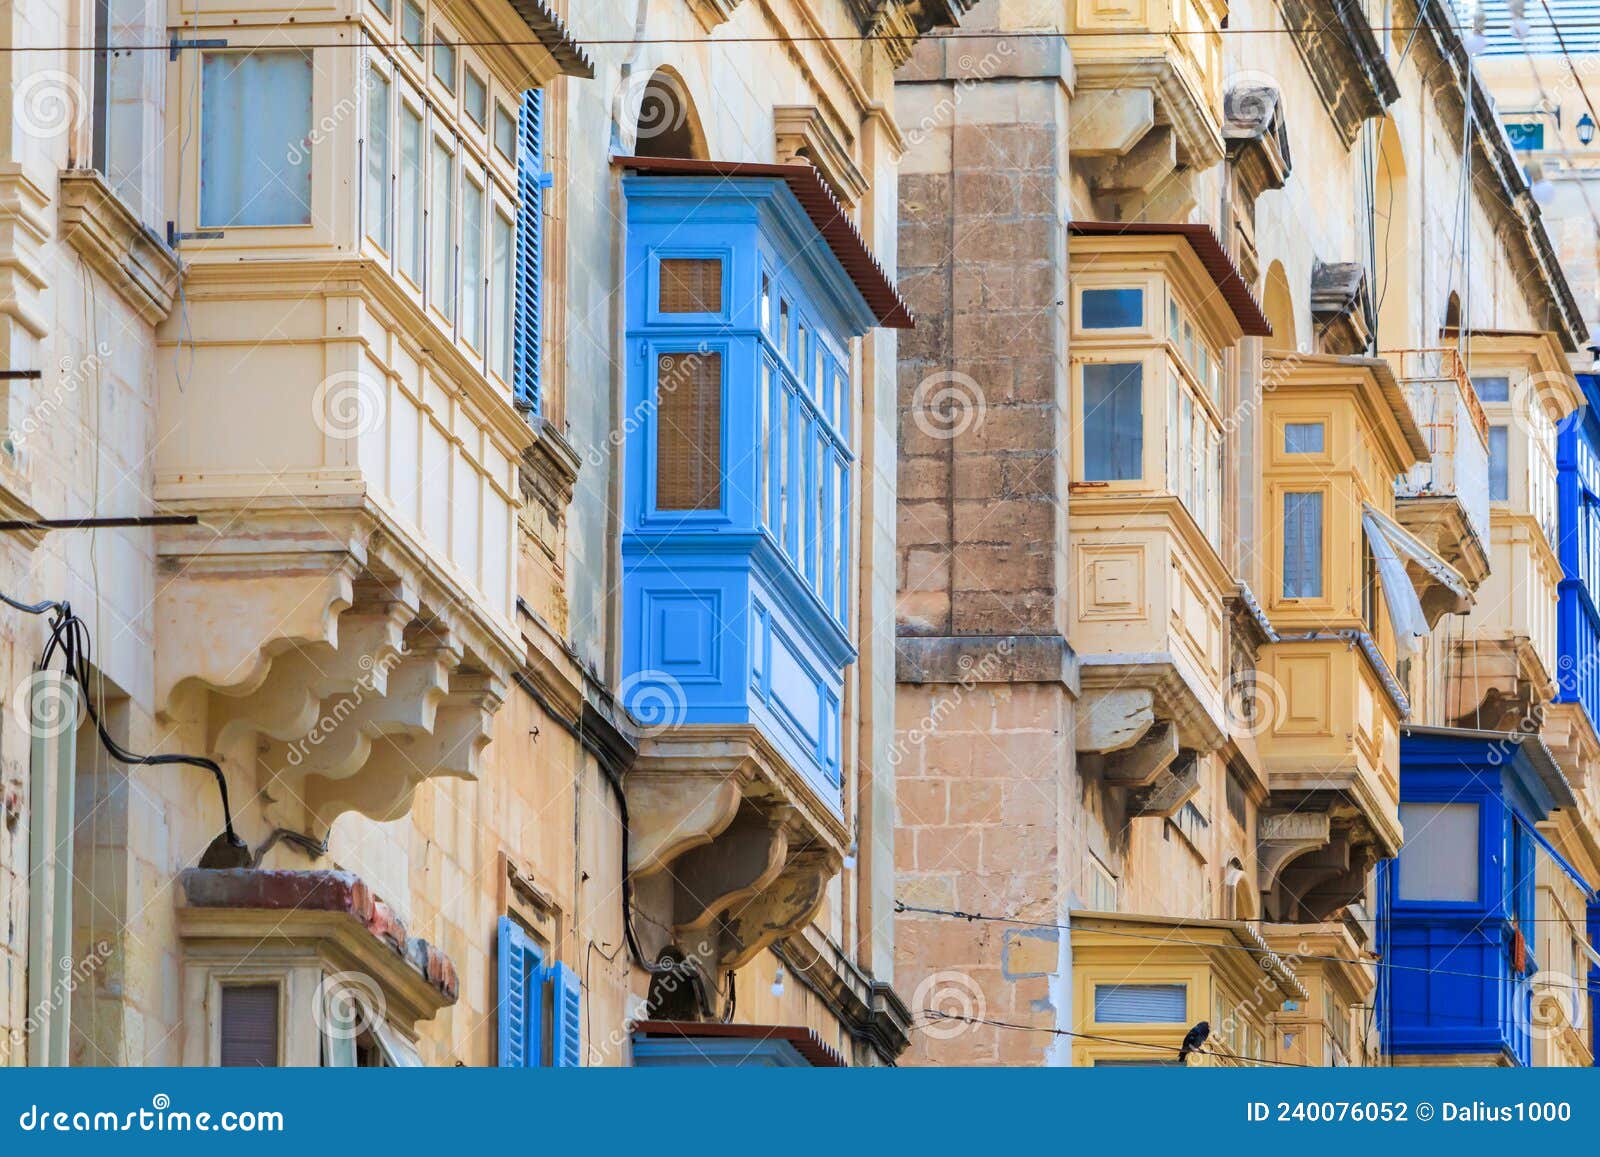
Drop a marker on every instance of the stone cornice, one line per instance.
(870, 1010)
(137, 263)
(1344, 60)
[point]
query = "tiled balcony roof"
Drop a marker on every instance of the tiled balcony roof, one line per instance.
(819, 203)
(553, 35)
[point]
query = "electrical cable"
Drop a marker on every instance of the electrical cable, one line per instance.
(901, 906)
(937, 1015)
(70, 635)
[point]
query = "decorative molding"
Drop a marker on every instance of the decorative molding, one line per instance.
(711, 13)
(802, 133)
(1343, 59)
(24, 231)
(137, 263)
(1341, 307)
(870, 1010)
(1256, 138)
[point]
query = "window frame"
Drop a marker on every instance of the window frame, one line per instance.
(380, 66)
(1080, 432)
(655, 349)
(443, 134)
(318, 154)
(410, 99)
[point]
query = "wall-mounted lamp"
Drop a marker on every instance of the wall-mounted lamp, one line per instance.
(1585, 129)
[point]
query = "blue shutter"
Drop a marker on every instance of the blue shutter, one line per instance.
(566, 1034)
(532, 181)
(521, 998)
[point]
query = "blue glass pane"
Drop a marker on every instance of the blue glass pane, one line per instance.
(1493, 389)
(1499, 471)
(1113, 421)
(255, 118)
(1302, 545)
(1112, 309)
(1303, 438)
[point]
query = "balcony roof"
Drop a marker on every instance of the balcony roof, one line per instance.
(1223, 272)
(1382, 374)
(552, 34)
(1208, 935)
(804, 1041)
(831, 219)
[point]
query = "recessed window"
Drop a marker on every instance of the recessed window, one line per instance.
(475, 98)
(1302, 545)
(444, 61)
(1499, 465)
(1493, 389)
(411, 202)
(1141, 1003)
(504, 283)
(380, 218)
(689, 438)
(1439, 858)
(441, 274)
(248, 1026)
(505, 132)
(691, 285)
(255, 121)
(1111, 309)
(472, 282)
(1113, 421)
(1304, 438)
(384, 7)
(411, 26)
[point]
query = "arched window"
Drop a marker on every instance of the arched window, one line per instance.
(667, 124)
(1391, 207)
(1279, 308)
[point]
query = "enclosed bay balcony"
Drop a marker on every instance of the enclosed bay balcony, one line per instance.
(1347, 591)
(1152, 310)
(1140, 982)
(1505, 668)
(336, 393)
(747, 288)
(1444, 501)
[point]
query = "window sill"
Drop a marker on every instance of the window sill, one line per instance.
(96, 222)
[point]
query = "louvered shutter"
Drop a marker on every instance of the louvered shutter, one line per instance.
(566, 1034)
(249, 1026)
(532, 181)
(522, 976)
(1140, 1003)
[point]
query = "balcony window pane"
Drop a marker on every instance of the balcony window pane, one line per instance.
(1113, 421)
(1499, 466)
(766, 304)
(380, 219)
(691, 285)
(841, 544)
(411, 26)
(1302, 545)
(444, 61)
(1303, 438)
(764, 454)
(505, 132)
(1439, 858)
(475, 98)
(248, 1026)
(411, 204)
(472, 286)
(1174, 319)
(1493, 389)
(689, 431)
(1141, 1003)
(441, 276)
(505, 290)
(1111, 309)
(255, 118)
(784, 483)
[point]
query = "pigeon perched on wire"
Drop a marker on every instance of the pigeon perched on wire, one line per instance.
(1194, 1040)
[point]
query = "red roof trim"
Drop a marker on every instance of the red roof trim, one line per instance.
(805, 1041)
(1246, 310)
(820, 205)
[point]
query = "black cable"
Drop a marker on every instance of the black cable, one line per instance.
(70, 634)
(937, 1015)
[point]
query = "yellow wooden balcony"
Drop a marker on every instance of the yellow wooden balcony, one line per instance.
(1139, 983)
(1328, 1028)
(1152, 311)
(1338, 432)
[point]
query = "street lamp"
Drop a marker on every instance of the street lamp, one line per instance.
(1585, 129)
